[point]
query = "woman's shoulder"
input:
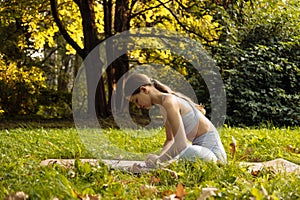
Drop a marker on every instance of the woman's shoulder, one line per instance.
(170, 100)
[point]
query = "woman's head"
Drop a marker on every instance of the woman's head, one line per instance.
(137, 88)
(134, 82)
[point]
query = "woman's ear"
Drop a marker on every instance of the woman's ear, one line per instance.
(144, 89)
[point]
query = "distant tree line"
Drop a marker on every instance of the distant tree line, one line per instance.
(255, 44)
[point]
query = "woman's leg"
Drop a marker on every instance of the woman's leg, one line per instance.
(194, 152)
(211, 140)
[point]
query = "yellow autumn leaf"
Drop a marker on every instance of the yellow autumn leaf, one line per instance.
(180, 192)
(207, 193)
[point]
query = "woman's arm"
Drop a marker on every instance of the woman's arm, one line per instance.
(169, 138)
(176, 127)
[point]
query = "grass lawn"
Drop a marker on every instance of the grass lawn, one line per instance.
(22, 149)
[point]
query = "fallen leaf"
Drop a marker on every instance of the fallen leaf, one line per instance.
(71, 173)
(233, 147)
(166, 193)
(50, 143)
(17, 196)
(172, 173)
(86, 196)
(255, 172)
(147, 190)
(154, 180)
(180, 192)
(249, 150)
(171, 197)
(292, 149)
(207, 192)
(90, 197)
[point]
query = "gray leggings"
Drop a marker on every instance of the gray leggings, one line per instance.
(207, 147)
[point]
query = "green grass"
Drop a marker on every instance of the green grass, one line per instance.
(22, 149)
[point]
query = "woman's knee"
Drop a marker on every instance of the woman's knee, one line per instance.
(195, 152)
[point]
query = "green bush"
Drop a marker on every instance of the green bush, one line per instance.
(20, 88)
(24, 92)
(259, 58)
(262, 86)
(54, 104)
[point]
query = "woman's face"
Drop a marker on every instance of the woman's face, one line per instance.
(142, 99)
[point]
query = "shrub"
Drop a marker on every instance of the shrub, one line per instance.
(54, 104)
(20, 88)
(259, 62)
(263, 86)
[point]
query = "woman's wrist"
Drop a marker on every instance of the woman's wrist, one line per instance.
(152, 160)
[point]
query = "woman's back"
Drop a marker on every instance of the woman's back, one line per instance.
(195, 123)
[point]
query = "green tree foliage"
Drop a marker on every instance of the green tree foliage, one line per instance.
(32, 45)
(260, 64)
(191, 18)
(188, 17)
(29, 23)
(174, 15)
(262, 86)
(255, 44)
(27, 83)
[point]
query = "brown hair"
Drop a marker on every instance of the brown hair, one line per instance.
(135, 81)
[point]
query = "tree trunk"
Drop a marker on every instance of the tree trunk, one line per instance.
(96, 97)
(96, 92)
(121, 65)
(107, 5)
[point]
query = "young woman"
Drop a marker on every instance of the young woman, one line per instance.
(183, 120)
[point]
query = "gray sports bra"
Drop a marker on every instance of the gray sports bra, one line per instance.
(190, 119)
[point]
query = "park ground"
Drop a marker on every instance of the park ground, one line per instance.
(24, 145)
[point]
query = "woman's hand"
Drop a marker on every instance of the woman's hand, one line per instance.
(151, 160)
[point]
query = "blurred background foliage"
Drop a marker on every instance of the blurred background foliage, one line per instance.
(255, 44)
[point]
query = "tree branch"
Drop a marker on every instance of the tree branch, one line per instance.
(185, 27)
(186, 7)
(107, 7)
(49, 55)
(150, 8)
(63, 30)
